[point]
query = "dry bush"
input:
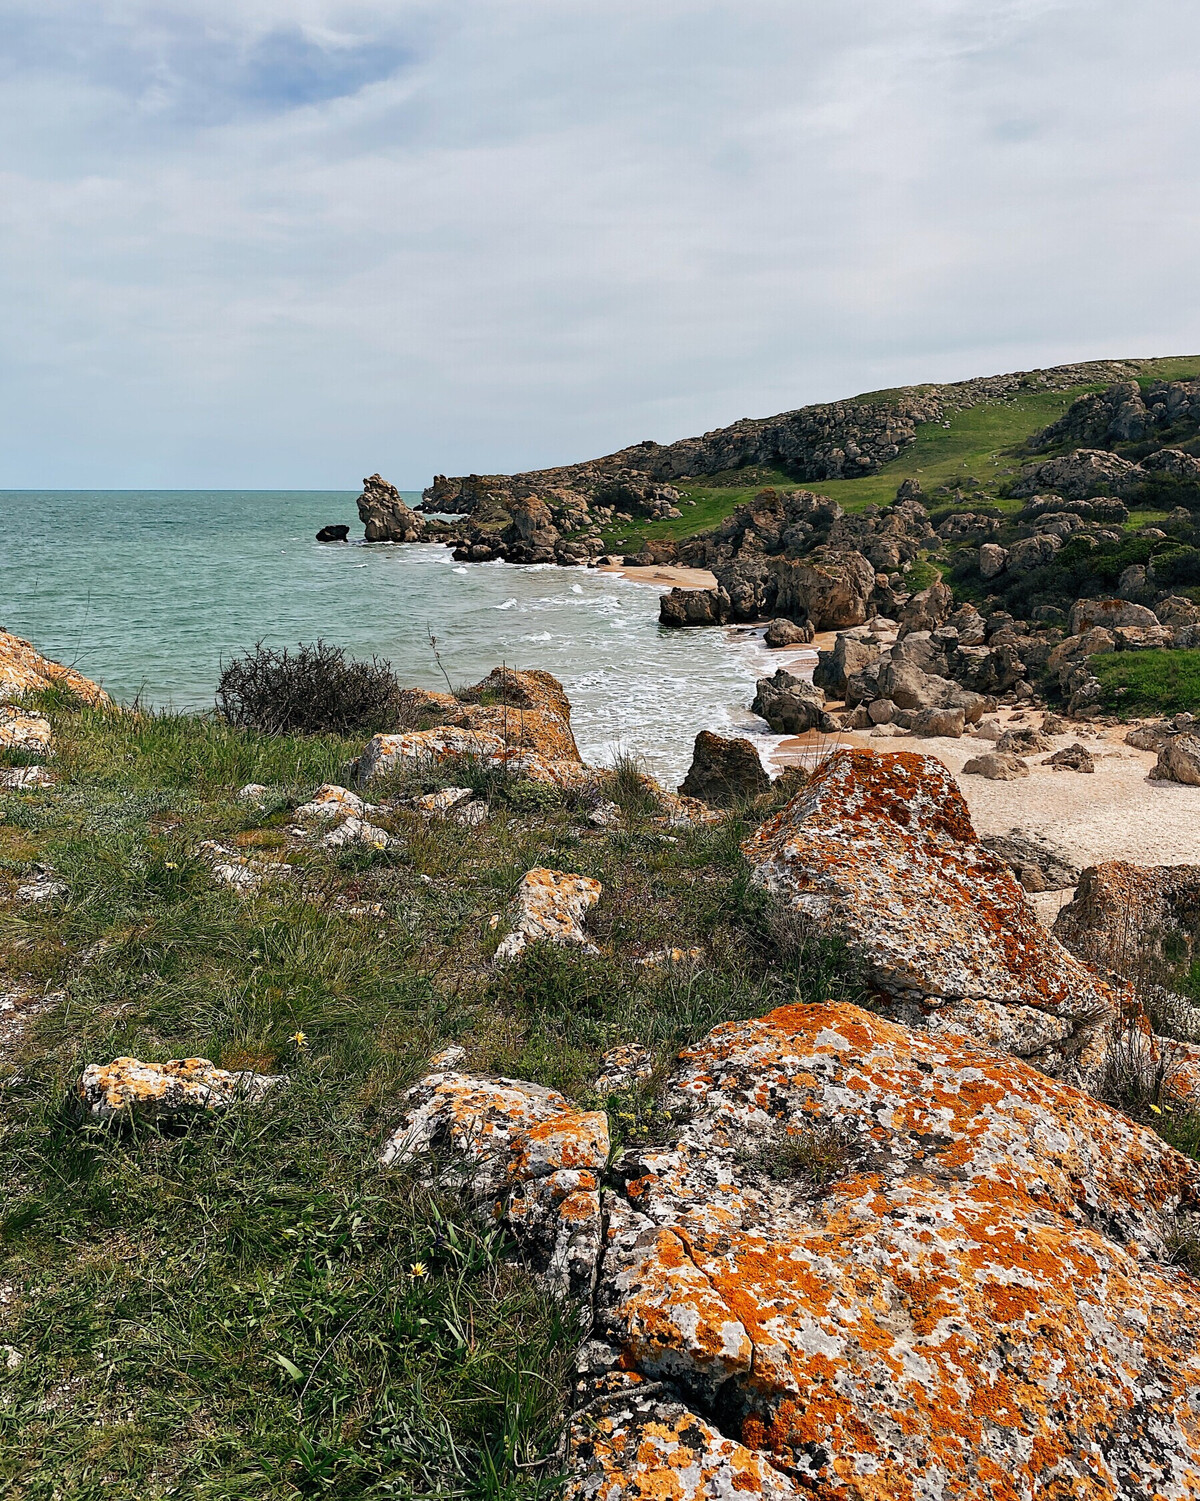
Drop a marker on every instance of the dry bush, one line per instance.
(315, 689)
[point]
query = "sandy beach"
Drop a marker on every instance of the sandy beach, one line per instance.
(665, 574)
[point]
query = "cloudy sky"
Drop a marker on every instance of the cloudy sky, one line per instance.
(284, 243)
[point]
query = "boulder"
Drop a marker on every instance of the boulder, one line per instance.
(24, 670)
(1023, 742)
(830, 587)
(1072, 758)
(993, 560)
(529, 689)
(1174, 463)
(1179, 761)
(856, 1253)
(879, 850)
(126, 1089)
(550, 905)
(693, 607)
(783, 632)
(1107, 614)
(333, 534)
(928, 609)
(1141, 922)
(724, 772)
(1152, 736)
(1177, 611)
(1038, 864)
(1078, 476)
(1141, 638)
(331, 801)
(1032, 552)
(353, 830)
(996, 766)
(790, 705)
(931, 723)
(849, 658)
(385, 515)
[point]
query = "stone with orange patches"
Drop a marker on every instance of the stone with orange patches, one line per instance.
(879, 850)
(127, 1089)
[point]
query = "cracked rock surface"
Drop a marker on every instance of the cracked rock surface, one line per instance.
(969, 1300)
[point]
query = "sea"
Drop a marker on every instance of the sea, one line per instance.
(148, 592)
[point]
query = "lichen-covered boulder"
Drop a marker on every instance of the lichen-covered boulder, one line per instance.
(550, 905)
(424, 748)
(127, 1089)
(1140, 921)
(331, 801)
(880, 851)
(23, 670)
(521, 1150)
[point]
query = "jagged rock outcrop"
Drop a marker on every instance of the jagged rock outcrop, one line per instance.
(723, 771)
(23, 670)
(1141, 922)
(1079, 475)
(1123, 414)
(865, 1262)
(385, 515)
(683, 607)
(880, 850)
(1179, 761)
(792, 706)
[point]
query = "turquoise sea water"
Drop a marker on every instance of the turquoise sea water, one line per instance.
(146, 591)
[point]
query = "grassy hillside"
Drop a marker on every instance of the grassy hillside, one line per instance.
(985, 442)
(250, 1307)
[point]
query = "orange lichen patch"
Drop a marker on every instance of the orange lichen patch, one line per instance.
(23, 669)
(537, 730)
(332, 801)
(126, 1088)
(632, 1449)
(879, 849)
(531, 689)
(550, 905)
(973, 1292)
(21, 730)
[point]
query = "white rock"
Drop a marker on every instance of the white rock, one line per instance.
(443, 801)
(126, 1088)
(22, 778)
(550, 904)
(332, 801)
(471, 814)
(358, 831)
(254, 792)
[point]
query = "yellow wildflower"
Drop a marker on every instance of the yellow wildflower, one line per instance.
(300, 1039)
(418, 1269)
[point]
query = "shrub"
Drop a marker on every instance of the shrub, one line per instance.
(1149, 682)
(315, 689)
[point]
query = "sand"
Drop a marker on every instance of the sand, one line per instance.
(663, 573)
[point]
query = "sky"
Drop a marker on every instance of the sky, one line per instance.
(287, 243)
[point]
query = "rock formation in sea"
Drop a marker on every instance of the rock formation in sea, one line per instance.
(385, 515)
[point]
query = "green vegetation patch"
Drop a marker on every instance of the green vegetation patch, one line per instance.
(1139, 683)
(249, 1307)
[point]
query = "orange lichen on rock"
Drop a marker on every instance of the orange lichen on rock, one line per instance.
(23, 670)
(550, 905)
(879, 850)
(127, 1088)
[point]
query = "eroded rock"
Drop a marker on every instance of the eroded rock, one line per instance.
(127, 1089)
(724, 771)
(23, 730)
(24, 670)
(1179, 761)
(550, 905)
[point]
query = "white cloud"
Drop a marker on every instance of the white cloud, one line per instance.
(288, 244)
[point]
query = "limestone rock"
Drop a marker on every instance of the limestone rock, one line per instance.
(1179, 761)
(997, 766)
(385, 516)
(528, 689)
(331, 801)
(934, 723)
(1023, 742)
(993, 560)
(790, 705)
(879, 850)
(1072, 758)
(522, 1148)
(254, 792)
(24, 778)
(849, 658)
(23, 730)
(550, 905)
(358, 831)
(442, 802)
(928, 609)
(724, 771)
(24, 670)
(44, 887)
(1080, 475)
(1108, 613)
(1139, 921)
(624, 1066)
(782, 632)
(1038, 864)
(693, 607)
(126, 1089)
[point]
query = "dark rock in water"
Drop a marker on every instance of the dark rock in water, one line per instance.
(722, 771)
(693, 607)
(783, 632)
(333, 534)
(384, 514)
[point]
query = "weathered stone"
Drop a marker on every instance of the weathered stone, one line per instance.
(724, 771)
(930, 723)
(993, 560)
(928, 609)
(1080, 475)
(879, 850)
(1152, 736)
(335, 533)
(849, 658)
(1107, 613)
(126, 1089)
(682, 607)
(24, 670)
(1023, 742)
(442, 802)
(1142, 638)
(358, 831)
(783, 632)
(623, 1067)
(1141, 922)
(996, 766)
(1038, 864)
(385, 515)
(23, 730)
(331, 801)
(1179, 761)
(25, 778)
(791, 706)
(1072, 758)
(550, 905)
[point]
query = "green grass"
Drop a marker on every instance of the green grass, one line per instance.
(230, 1310)
(1138, 683)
